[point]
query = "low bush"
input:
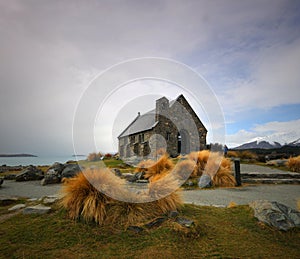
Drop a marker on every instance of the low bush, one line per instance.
(293, 164)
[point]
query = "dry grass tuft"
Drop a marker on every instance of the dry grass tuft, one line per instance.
(298, 205)
(94, 156)
(232, 154)
(83, 201)
(293, 164)
(231, 204)
(186, 168)
(153, 168)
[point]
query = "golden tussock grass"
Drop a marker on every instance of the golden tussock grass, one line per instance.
(298, 204)
(186, 168)
(231, 204)
(293, 164)
(84, 201)
(152, 168)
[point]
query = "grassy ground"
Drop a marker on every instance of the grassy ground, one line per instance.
(219, 232)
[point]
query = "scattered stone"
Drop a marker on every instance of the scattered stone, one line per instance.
(185, 222)
(276, 214)
(189, 183)
(30, 173)
(70, 170)
(17, 207)
(156, 223)
(32, 199)
(129, 177)
(50, 199)
(117, 172)
(4, 200)
(205, 181)
(142, 181)
(38, 209)
(135, 229)
(10, 177)
(173, 214)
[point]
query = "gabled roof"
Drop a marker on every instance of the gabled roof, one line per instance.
(144, 122)
(140, 123)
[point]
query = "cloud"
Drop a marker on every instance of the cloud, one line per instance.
(51, 50)
(282, 132)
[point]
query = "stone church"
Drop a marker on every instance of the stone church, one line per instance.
(173, 126)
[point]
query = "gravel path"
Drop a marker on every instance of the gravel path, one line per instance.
(287, 194)
(284, 193)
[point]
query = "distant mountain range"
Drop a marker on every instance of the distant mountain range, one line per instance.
(265, 144)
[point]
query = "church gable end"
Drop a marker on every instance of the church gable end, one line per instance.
(135, 139)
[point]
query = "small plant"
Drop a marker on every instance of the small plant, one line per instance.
(293, 164)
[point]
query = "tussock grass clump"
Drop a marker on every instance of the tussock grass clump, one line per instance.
(293, 164)
(83, 200)
(232, 154)
(206, 162)
(152, 168)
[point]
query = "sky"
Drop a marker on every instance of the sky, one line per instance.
(51, 52)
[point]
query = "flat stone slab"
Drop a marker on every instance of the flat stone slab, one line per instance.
(276, 214)
(50, 199)
(38, 209)
(17, 207)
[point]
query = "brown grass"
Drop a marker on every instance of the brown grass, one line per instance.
(298, 204)
(152, 168)
(185, 169)
(94, 156)
(83, 201)
(293, 164)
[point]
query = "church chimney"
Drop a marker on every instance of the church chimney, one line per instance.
(162, 108)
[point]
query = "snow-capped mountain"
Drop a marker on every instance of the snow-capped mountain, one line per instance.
(268, 143)
(259, 144)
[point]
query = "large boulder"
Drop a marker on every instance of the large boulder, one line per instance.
(51, 177)
(276, 214)
(30, 173)
(70, 170)
(57, 171)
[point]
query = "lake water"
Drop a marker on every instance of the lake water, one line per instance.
(14, 161)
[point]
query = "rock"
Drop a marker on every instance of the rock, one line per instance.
(135, 229)
(155, 223)
(117, 172)
(142, 181)
(38, 209)
(17, 207)
(30, 173)
(70, 170)
(51, 177)
(1, 181)
(185, 222)
(276, 214)
(173, 214)
(4, 200)
(50, 199)
(56, 167)
(205, 181)
(129, 177)
(10, 177)
(140, 176)
(189, 183)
